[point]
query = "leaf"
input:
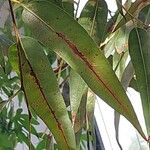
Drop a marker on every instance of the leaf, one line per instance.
(132, 12)
(127, 75)
(2, 105)
(117, 42)
(42, 92)
(13, 58)
(68, 6)
(77, 89)
(80, 52)
(57, 2)
(94, 19)
(144, 15)
(2, 63)
(80, 119)
(5, 42)
(25, 124)
(139, 45)
(23, 138)
(5, 141)
(90, 107)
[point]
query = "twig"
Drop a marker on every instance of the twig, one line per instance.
(19, 47)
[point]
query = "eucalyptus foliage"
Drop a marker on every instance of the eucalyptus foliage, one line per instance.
(55, 64)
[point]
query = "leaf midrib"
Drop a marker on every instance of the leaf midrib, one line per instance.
(44, 97)
(145, 71)
(53, 30)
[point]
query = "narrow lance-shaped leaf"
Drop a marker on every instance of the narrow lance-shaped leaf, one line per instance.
(77, 89)
(94, 19)
(80, 120)
(42, 93)
(90, 109)
(139, 48)
(76, 47)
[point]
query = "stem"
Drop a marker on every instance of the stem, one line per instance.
(60, 69)
(13, 96)
(19, 48)
(119, 62)
(77, 9)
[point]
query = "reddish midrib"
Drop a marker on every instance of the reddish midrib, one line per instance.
(51, 110)
(81, 56)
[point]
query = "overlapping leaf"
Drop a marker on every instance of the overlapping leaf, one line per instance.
(94, 19)
(77, 89)
(144, 15)
(75, 46)
(139, 48)
(42, 92)
(132, 13)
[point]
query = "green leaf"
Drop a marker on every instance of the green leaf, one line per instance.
(77, 88)
(68, 6)
(5, 141)
(2, 105)
(56, 2)
(90, 108)
(25, 124)
(117, 42)
(80, 118)
(94, 19)
(139, 46)
(41, 145)
(42, 93)
(13, 58)
(23, 138)
(127, 75)
(5, 42)
(76, 47)
(144, 15)
(1, 57)
(33, 120)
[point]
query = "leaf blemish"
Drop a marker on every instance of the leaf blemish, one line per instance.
(84, 59)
